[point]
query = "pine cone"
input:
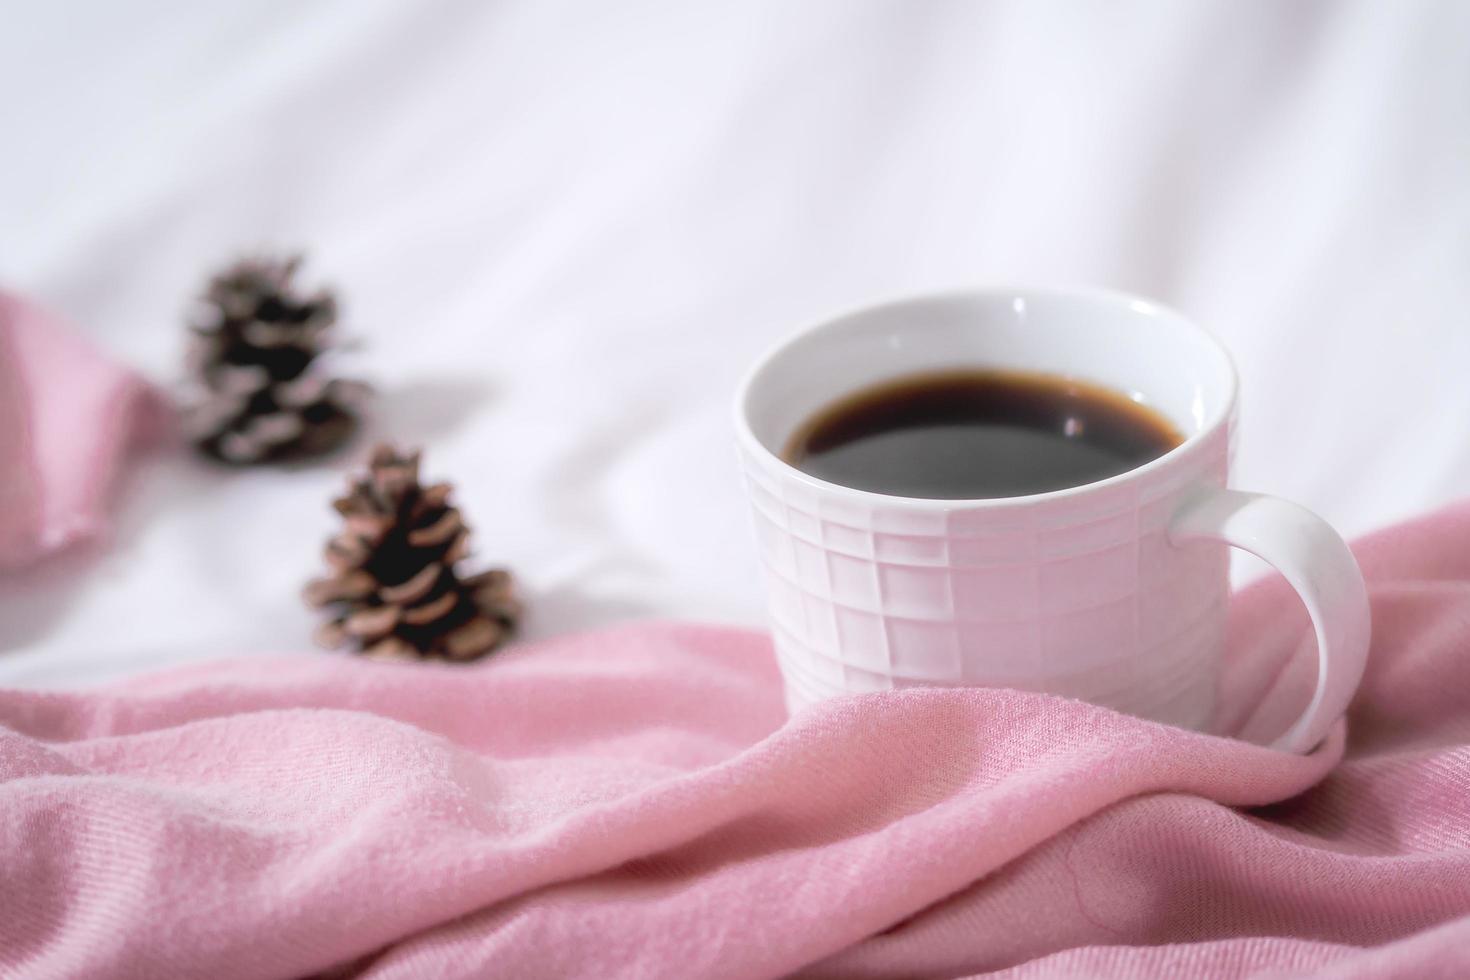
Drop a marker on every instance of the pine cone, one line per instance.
(393, 590)
(260, 394)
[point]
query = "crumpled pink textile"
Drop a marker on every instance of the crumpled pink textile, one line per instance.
(66, 415)
(630, 804)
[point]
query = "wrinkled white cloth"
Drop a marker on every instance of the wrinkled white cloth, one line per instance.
(562, 230)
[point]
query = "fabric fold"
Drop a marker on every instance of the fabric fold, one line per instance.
(633, 802)
(67, 415)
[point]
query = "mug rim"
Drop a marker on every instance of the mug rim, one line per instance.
(1135, 303)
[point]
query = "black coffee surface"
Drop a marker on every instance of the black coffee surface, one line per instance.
(971, 434)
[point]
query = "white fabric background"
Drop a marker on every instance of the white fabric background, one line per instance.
(562, 230)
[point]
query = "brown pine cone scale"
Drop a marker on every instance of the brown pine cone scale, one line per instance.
(393, 589)
(259, 391)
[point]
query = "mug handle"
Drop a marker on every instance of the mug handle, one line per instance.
(1317, 563)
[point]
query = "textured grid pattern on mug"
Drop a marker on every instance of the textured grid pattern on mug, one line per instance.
(1165, 685)
(1055, 643)
(909, 604)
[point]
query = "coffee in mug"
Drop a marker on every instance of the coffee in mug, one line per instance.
(964, 434)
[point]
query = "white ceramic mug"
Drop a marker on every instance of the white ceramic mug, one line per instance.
(1113, 592)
